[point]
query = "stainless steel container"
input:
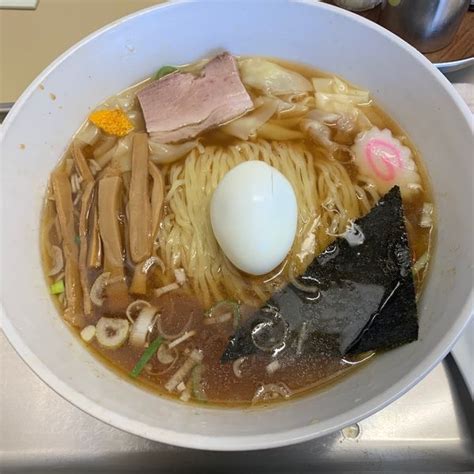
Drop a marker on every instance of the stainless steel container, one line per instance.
(428, 25)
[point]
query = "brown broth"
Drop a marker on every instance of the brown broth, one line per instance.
(301, 374)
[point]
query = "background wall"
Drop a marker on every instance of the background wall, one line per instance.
(31, 39)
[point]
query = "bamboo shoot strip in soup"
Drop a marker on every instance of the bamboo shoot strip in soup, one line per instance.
(238, 230)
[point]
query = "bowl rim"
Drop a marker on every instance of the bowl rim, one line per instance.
(243, 442)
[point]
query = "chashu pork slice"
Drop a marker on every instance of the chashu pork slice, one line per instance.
(180, 106)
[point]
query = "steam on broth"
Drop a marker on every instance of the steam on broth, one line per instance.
(137, 264)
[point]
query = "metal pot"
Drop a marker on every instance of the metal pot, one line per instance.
(429, 25)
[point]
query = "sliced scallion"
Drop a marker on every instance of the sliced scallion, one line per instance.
(146, 356)
(164, 71)
(223, 307)
(57, 287)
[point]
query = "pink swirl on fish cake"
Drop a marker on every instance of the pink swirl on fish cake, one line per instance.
(376, 151)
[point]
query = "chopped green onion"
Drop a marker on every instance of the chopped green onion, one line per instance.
(77, 239)
(164, 71)
(146, 356)
(57, 287)
(220, 308)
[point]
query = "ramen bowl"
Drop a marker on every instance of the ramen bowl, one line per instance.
(37, 132)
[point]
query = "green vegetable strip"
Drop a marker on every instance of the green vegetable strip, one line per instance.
(164, 71)
(146, 356)
(57, 288)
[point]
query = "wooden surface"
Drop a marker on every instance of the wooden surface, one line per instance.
(461, 47)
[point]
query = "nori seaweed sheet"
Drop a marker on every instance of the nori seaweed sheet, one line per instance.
(365, 298)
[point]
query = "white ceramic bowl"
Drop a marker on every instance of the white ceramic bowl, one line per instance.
(38, 129)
